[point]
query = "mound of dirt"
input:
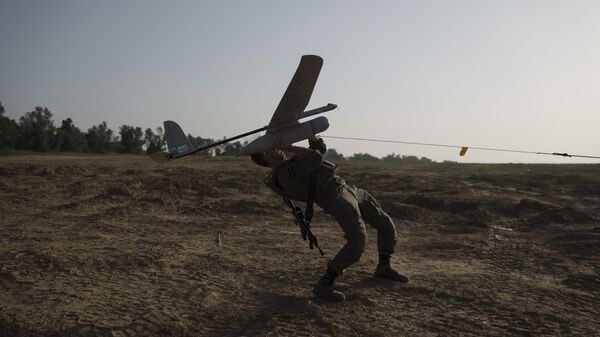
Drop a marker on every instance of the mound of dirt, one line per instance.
(463, 225)
(577, 243)
(473, 211)
(564, 215)
(529, 206)
(400, 210)
(425, 201)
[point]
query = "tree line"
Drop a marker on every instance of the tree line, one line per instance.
(35, 131)
(332, 154)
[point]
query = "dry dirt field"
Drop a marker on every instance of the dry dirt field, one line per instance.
(121, 246)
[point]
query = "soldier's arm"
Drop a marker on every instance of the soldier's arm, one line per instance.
(301, 151)
(311, 159)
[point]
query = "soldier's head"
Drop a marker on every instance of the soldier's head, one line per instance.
(270, 158)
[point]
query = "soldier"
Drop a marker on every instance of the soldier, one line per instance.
(307, 177)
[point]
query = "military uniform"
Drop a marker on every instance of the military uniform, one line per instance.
(351, 206)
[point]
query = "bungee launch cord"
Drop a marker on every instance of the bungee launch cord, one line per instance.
(464, 149)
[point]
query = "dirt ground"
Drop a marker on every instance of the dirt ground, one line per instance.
(122, 246)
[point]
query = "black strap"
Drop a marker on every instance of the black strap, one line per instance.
(312, 191)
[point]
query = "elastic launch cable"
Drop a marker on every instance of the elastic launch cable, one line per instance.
(463, 148)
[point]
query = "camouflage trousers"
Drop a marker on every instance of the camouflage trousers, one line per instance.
(352, 207)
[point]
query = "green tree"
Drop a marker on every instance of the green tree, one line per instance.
(8, 130)
(230, 149)
(36, 130)
(132, 139)
(233, 148)
(362, 156)
(199, 142)
(154, 141)
(332, 154)
(100, 139)
(406, 159)
(69, 137)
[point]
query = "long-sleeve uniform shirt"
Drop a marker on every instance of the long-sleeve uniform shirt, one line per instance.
(292, 177)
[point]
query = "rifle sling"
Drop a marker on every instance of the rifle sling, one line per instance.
(312, 189)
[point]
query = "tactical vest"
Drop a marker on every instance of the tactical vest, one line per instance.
(325, 178)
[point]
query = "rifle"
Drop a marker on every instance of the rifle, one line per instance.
(304, 225)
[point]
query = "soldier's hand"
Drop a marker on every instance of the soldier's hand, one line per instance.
(317, 144)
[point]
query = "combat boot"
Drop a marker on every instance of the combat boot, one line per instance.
(324, 288)
(385, 271)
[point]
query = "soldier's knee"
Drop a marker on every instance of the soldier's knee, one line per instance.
(382, 221)
(356, 243)
(355, 253)
(387, 224)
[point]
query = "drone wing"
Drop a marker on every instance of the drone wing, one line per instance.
(296, 97)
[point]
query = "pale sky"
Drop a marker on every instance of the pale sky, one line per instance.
(506, 74)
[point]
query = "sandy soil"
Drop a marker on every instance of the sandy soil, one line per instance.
(121, 246)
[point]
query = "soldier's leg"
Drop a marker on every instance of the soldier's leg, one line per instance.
(375, 216)
(386, 234)
(346, 211)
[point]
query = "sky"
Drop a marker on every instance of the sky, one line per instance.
(505, 74)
